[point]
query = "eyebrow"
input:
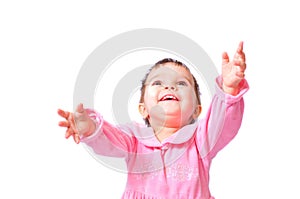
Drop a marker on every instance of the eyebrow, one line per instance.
(150, 79)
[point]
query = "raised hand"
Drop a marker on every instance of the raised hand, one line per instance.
(78, 124)
(233, 72)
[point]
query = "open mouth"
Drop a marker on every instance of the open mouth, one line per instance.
(169, 97)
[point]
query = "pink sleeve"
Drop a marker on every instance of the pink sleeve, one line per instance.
(108, 139)
(222, 122)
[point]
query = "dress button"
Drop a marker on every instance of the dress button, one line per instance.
(165, 147)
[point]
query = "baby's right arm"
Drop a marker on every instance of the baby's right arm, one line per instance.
(88, 127)
(78, 124)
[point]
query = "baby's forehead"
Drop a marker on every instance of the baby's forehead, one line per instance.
(171, 69)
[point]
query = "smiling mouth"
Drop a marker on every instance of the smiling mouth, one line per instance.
(169, 98)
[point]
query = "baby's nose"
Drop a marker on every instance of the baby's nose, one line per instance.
(170, 87)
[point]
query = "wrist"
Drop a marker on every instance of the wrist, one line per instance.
(230, 90)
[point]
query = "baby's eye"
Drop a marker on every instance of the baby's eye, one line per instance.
(157, 83)
(182, 83)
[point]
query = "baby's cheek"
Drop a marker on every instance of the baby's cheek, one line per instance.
(150, 93)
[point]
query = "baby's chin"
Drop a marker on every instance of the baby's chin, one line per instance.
(169, 120)
(162, 113)
(170, 115)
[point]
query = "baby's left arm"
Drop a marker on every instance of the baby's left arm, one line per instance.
(233, 72)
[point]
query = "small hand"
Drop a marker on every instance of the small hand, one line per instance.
(69, 123)
(78, 124)
(233, 72)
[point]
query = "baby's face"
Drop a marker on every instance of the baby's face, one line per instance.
(170, 98)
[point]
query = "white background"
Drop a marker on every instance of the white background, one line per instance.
(43, 46)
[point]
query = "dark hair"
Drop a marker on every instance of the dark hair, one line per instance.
(160, 63)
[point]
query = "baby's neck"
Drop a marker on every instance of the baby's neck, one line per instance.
(163, 133)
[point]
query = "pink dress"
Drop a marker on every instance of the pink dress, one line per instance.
(178, 167)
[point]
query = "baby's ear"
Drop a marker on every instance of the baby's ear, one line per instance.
(143, 111)
(197, 111)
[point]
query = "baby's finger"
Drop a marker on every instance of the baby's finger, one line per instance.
(62, 113)
(239, 53)
(73, 124)
(240, 74)
(76, 138)
(80, 113)
(225, 58)
(240, 47)
(240, 64)
(240, 56)
(69, 132)
(80, 108)
(64, 124)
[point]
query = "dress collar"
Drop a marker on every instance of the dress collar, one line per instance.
(146, 135)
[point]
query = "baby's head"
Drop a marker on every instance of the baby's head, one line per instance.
(170, 95)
